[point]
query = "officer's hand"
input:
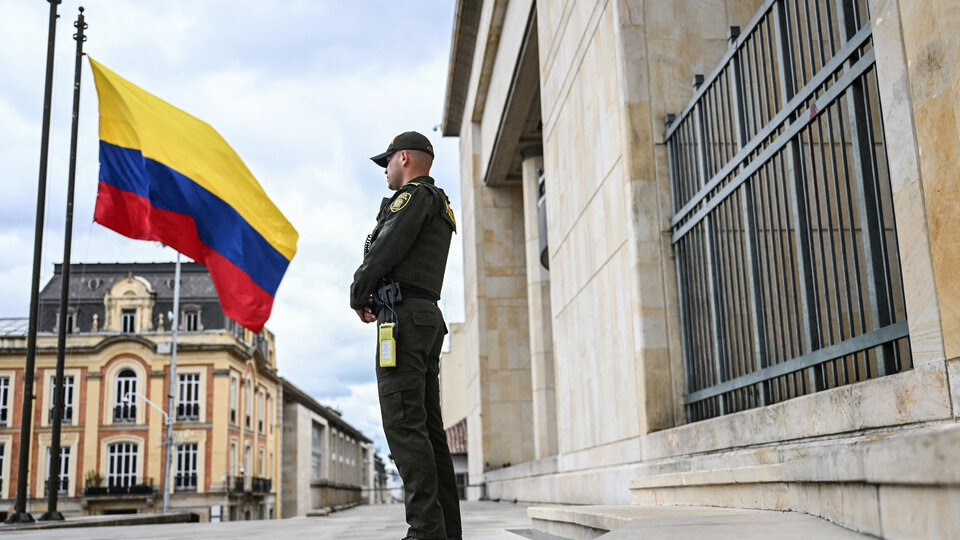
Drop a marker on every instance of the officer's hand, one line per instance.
(366, 315)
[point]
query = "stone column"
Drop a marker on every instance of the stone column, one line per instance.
(541, 316)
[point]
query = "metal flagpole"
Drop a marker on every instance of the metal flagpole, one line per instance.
(20, 514)
(53, 470)
(168, 459)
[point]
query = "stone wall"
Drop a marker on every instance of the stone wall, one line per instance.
(918, 64)
(610, 71)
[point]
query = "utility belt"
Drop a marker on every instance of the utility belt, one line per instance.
(394, 293)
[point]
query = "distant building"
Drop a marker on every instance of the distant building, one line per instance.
(379, 495)
(228, 419)
(453, 384)
(327, 463)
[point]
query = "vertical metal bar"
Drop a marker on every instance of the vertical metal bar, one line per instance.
(53, 472)
(680, 262)
(753, 266)
(716, 322)
(799, 203)
(867, 195)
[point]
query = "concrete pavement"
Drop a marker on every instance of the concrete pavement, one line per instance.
(481, 521)
(484, 520)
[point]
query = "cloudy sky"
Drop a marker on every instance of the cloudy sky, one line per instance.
(304, 90)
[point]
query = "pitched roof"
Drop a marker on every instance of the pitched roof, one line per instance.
(13, 326)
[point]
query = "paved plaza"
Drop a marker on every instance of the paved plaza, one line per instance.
(487, 521)
(481, 521)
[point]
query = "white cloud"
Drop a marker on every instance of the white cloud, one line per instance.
(304, 91)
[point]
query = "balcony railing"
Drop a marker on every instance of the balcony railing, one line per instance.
(188, 411)
(125, 412)
(67, 415)
(260, 485)
(185, 482)
(235, 484)
(241, 484)
(141, 487)
(64, 485)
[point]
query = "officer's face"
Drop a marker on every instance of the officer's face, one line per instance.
(394, 175)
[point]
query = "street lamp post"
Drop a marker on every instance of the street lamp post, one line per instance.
(168, 442)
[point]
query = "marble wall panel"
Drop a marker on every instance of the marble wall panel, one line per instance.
(938, 138)
(930, 46)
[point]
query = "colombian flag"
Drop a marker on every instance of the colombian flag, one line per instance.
(170, 177)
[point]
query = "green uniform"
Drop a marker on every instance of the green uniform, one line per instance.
(409, 246)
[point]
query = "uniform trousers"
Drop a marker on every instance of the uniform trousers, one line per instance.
(412, 423)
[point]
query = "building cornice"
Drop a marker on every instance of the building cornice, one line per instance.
(464, 42)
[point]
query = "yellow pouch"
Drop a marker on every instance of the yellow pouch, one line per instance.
(388, 345)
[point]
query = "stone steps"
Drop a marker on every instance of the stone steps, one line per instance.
(892, 484)
(652, 522)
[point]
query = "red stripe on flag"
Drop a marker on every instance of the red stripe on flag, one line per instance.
(132, 216)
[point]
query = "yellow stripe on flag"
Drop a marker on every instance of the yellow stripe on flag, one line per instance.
(134, 118)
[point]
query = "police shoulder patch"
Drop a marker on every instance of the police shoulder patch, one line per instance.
(448, 213)
(401, 201)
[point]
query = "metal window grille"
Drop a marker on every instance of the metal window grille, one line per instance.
(122, 465)
(188, 396)
(786, 251)
(64, 484)
(128, 320)
(186, 475)
(126, 384)
(67, 398)
(4, 400)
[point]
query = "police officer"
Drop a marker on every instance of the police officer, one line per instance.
(399, 282)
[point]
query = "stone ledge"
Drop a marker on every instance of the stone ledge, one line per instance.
(648, 522)
(917, 456)
(106, 521)
(523, 470)
(915, 396)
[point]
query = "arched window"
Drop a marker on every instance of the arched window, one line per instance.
(126, 385)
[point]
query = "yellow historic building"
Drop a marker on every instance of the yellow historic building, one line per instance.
(227, 425)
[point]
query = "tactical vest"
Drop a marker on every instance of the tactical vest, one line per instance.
(424, 265)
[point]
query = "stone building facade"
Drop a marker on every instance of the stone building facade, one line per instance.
(585, 364)
(327, 463)
(228, 418)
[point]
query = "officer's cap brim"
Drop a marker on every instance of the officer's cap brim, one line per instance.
(382, 159)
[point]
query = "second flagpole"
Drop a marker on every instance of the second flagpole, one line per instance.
(55, 459)
(168, 443)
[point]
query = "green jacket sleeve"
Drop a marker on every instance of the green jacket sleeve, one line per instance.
(400, 229)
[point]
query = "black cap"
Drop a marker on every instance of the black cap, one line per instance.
(408, 140)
